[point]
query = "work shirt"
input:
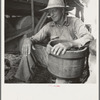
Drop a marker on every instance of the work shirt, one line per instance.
(72, 29)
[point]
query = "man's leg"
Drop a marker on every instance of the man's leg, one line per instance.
(28, 63)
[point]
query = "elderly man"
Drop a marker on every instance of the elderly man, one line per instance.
(62, 27)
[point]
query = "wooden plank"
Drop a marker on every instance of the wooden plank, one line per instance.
(40, 23)
(32, 13)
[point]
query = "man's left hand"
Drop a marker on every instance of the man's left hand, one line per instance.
(60, 48)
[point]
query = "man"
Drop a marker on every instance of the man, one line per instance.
(62, 27)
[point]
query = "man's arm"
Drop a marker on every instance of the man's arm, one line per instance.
(81, 32)
(83, 37)
(27, 44)
(41, 35)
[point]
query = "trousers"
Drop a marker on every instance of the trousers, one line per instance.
(29, 62)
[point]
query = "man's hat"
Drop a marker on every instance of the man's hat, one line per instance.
(57, 4)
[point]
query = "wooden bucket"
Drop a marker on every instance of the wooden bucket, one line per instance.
(69, 65)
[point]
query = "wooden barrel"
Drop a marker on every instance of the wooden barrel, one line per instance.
(25, 22)
(69, 65)
(22, 22)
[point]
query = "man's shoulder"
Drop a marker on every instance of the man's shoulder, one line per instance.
(73, 19)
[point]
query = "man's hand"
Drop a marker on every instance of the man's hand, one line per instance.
(61, 48)
(26, 47)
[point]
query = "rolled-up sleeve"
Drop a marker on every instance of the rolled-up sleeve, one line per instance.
(41, 35)
(83, 35)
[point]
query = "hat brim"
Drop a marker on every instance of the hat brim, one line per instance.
(67, 8)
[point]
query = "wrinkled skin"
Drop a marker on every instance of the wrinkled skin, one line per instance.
(56, 14)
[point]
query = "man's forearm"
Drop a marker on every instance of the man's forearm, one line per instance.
(83, 40)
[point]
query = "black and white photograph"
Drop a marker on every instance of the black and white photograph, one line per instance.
(50, 42)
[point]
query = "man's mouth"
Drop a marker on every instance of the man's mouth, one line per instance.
(53, 17)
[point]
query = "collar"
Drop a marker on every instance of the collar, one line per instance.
(65, 23)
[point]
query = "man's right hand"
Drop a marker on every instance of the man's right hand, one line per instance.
(26, 47)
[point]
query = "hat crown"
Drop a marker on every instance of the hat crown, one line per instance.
(56, 3)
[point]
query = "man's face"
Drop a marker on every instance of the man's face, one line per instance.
(56, 14)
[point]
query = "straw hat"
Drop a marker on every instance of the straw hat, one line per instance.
(57, 4)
